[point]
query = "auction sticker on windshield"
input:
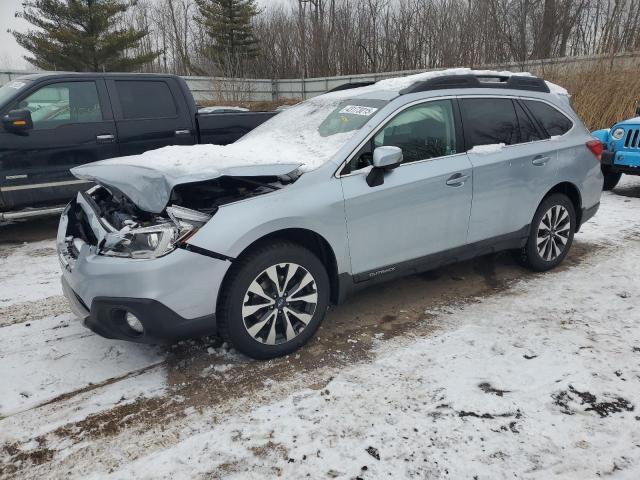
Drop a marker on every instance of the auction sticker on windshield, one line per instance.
(359, 110)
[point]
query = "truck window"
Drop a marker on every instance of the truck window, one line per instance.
(63, 103)
(140, 99)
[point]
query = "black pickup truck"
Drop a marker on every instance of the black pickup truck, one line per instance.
(52, 122)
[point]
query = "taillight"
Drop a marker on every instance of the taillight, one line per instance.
(596, 148)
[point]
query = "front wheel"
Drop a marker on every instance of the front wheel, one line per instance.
(273, 300)
(610, 180)
(551, 235)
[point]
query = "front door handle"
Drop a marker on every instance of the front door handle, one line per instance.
(540, 160)
(105, 138)
(457, 180)
(183, 132)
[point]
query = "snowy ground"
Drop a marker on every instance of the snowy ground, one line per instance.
(479, 370)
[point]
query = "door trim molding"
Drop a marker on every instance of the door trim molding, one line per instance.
(509, 241)
(42, 185)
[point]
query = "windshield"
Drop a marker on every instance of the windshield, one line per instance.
(313, 131)
(8, 90)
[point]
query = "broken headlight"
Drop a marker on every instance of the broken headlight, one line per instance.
(156, 240)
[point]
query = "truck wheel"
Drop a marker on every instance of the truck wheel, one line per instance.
(610, 180)
(273, 300)
(551, 235)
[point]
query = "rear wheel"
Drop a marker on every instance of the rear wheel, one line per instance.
(274, 300)
(610, 180)
(551, 236)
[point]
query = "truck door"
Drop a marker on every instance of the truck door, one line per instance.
(150, 113)
(72, 125)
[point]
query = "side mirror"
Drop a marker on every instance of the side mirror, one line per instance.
(384, 158)
(17, 121)
(638, 110)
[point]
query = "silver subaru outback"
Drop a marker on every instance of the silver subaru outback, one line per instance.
(254, 240)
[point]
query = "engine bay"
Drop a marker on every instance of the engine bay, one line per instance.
(206, 197)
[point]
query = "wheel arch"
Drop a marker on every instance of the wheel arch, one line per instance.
(310, 240)
(570, 190)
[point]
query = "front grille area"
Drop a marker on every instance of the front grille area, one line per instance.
(632, 140)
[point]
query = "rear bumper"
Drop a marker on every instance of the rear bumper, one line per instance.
(588, 213)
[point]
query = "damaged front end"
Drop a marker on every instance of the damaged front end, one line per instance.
(114, 226)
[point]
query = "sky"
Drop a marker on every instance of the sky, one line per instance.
(11, 53)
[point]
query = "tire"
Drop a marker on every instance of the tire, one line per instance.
(263, 327)
(610, 180)
(542, 255)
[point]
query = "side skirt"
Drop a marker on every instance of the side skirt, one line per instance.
(351, 283)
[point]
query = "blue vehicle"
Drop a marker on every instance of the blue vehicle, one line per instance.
(621, 152)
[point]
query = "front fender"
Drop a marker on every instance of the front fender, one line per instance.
(318, 208)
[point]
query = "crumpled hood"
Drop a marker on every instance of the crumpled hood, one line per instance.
(149, 186)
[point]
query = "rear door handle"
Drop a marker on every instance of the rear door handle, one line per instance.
(105, 138)
(457, 180)
(183, 132)
(540, 160)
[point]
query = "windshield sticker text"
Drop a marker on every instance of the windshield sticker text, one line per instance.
(358, 110)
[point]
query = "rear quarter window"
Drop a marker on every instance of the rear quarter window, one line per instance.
(552, 120)
(140, 99)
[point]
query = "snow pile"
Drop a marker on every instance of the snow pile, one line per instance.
(487, 149)
(221, 109)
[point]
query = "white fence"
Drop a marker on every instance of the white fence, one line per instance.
(262, 89)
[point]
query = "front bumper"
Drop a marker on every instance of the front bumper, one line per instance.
(173, 296)
(622, 161)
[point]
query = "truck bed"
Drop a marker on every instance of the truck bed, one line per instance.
(225, 128)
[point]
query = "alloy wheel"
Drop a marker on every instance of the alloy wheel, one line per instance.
(279, 303)
(553, 233)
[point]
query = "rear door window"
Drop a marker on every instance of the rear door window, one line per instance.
(528, 130)
(553, 122)
(489, 121)
(142, 99)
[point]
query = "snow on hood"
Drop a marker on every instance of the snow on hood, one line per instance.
(288, 141)
(150, 189)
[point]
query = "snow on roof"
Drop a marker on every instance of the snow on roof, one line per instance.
(396, 84)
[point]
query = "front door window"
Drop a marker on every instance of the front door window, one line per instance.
(63, 103)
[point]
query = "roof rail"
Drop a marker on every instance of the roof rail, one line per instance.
(347, 86)
(513, 82)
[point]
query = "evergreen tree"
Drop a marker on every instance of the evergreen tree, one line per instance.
(228, 25)
(81, 35)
